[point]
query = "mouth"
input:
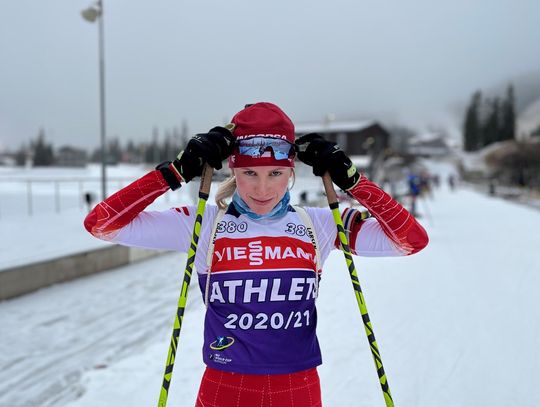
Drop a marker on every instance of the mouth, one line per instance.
(262, 202)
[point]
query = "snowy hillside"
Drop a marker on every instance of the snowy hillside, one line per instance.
(529, 120)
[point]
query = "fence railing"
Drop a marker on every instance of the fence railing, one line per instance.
(28, 195)
(19, 195)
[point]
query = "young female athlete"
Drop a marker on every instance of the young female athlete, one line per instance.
(261, 277)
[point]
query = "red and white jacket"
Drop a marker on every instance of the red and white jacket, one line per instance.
(261, 315)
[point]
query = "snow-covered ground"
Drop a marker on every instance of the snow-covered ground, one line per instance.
(51, 231)
(457, 324)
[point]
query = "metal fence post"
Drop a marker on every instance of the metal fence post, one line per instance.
(57, 195)
(81, 198)
(29, 196)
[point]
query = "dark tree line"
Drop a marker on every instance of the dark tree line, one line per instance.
(155, 151)
(158, 149)
(489, 120)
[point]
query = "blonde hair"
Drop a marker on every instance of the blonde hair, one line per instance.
(226, 189)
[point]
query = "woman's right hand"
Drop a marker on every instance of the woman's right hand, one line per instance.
(212, 148)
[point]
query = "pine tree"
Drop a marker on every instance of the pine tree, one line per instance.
(536, 132)
(20, 156)
(132, 152)
(167, 150)
(155, 146)
(508, 113)
(114, 152)
(184, 134)
(43, 152)
(471, 127)
(491, 128)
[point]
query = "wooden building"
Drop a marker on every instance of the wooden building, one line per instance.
(364, 141)
(71, 157)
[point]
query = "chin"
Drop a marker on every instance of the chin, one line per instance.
(261, 211)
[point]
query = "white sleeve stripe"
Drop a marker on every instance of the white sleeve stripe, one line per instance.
(128, 208)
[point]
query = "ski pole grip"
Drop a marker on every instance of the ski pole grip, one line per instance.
(329, 189)
(206, 181)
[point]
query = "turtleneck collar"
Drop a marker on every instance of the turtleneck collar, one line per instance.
(278, 211)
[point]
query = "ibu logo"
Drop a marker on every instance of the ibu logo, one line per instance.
(222, 342)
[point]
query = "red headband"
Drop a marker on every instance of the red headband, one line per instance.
(261, 120)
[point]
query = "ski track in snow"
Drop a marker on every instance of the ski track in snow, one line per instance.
(50, 338)
(457, 324)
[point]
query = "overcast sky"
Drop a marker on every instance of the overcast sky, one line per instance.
(201, 61)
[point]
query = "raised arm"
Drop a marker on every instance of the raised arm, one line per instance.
(120, 209)
(395, 221)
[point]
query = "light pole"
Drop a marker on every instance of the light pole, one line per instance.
(91, 14)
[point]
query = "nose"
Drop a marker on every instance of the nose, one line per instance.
(262, 185)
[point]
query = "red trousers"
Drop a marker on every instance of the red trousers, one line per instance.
(225, 389)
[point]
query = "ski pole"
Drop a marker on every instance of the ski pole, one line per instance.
(428, 213)
(204, 191)
(333, 203)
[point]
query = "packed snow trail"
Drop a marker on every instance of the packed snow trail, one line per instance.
(457, 324)
(51, 337)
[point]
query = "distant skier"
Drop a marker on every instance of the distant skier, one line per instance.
(303, 198)
(414, 191)
(262, 280)
(436, 181)
(425, 184)
(89, 200)
(451, 181)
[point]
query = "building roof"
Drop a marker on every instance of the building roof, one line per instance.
(334, 126)
(433, 142)
(70, 149)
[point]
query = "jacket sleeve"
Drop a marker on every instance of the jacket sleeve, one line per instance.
(121, 218)
(398, 225)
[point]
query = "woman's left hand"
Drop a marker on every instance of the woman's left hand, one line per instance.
(323, 156)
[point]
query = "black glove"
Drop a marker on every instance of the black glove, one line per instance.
(212, 148)
(325, 156)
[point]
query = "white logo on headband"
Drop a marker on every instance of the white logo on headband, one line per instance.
(280, 136)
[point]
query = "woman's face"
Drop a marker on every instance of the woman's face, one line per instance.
(262, 188)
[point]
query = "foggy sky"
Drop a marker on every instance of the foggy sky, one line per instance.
(201, 61)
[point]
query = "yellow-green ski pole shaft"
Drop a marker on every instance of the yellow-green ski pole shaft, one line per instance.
(334, 206)
(204, 190)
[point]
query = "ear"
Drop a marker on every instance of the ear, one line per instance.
(293, 178)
